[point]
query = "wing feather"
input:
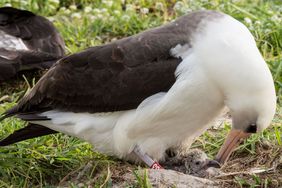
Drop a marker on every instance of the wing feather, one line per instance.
(116, 76)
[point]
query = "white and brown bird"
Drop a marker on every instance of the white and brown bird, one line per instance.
(143, 94)
(27, 41)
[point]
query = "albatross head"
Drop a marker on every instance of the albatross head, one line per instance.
(239, 71)
(251, 113)
(250, 95)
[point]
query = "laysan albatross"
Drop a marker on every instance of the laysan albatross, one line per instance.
(27, 41)
(155, 90)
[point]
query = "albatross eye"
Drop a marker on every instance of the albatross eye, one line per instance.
(252, 128)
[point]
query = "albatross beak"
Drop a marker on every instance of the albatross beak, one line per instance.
(232, 141)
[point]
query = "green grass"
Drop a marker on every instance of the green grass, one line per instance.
(44, 162)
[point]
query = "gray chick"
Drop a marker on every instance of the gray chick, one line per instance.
(195, 162)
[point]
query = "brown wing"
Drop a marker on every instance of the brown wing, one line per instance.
(105, 78)
(112, 77)
(83, 83)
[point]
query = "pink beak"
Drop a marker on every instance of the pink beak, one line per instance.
(233, 139)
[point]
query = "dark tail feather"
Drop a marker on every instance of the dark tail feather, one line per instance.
(32, 117)
(28, 132)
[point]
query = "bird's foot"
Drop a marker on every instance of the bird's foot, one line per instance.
(146, 158)
(194, 162)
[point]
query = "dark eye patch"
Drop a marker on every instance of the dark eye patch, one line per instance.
(252, 128)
